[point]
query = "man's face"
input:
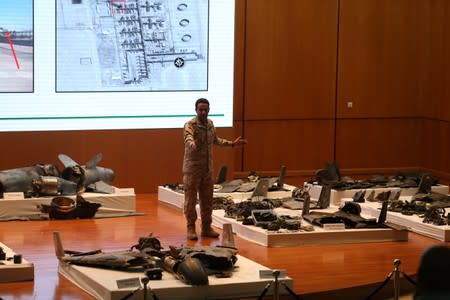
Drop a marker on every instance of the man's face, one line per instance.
(202, 111)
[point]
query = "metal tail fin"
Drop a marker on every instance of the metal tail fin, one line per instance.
(324, 197)
(59, 249)
(261, 189)
(94, 161)
(383, 213)
(425, 184)
(222, 175)
(282, 176)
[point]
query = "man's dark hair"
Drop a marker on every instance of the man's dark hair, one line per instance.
(201, 100)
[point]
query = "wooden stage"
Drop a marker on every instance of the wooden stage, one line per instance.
(318, 271)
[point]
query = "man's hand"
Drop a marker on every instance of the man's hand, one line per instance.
(239, 141)
(193, 146)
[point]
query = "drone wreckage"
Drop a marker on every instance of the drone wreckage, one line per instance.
(47, 180)
(191, 265)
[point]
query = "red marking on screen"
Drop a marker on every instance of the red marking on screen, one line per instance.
(12, 49)
(122, 8)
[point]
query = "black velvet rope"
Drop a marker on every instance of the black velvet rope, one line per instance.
(379, 287)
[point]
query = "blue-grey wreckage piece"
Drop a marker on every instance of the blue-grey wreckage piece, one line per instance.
(89, 176)
(46, 180)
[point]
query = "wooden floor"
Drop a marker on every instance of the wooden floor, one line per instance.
(318, 272)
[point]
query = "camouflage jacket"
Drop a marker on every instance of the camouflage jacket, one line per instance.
(204, 135)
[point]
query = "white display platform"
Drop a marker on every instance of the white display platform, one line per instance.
(336, 195)
(123, 200)
(318, 236)
(175, 199)
(413, 223)
(102, 283)
(11, 272)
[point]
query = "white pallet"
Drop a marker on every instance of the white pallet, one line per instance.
(102, 283)
(11, 272)
(413, 223)
(175, 199)
(318, 236)
(336, 195)
(123, 200)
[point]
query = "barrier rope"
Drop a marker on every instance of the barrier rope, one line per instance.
(397, 272)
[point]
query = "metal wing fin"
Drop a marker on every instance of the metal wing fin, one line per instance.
(94, 161)
(102, 187)
(67, 161)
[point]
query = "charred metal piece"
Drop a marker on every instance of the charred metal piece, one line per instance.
(273, 226)
(425, 184)
(383, 213)
(52, 186)
(371, 197)
(395, 195)
(65, 208)
(232, 186)
(176, 187)
(215, 260)
(306, 204)
(433, 199)
(383, 196)
(359, 196)
(277, 183)
(262, 218)
(121, 260)
(436, 216)
(379, 180)
(148, 245)
(324, 197)
(188, 270)
(301, 199)
(192, 265)
(331, 176)
(222, 202)
(349, 215)
(154, 273)
(289, 222)
(243, 210)
(222, 175)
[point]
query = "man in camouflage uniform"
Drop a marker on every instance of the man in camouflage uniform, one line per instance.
(199, 136)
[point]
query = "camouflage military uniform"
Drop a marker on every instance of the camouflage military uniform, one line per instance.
(198, 169)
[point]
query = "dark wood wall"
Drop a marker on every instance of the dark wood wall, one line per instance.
(298, 66)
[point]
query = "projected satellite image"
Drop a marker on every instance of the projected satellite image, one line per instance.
(16, 46)
(131, 45)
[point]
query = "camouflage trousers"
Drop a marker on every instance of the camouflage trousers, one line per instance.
(201, 183)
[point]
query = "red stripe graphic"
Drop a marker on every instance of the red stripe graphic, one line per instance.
(12, 49)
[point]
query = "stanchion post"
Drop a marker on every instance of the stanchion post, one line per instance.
(397, 263)
(145, 281)
(276, 295)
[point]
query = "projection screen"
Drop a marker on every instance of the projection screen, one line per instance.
(114, 64)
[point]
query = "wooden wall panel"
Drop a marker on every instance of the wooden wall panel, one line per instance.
(157, 157)
(436, 142)
(434, 58)
(394, 63)
(375, 143)
(21, 149)
(239, 61)
(377, 56)
(142, 159)
(238, 152)
(290, 65)
(434, 78)
(299, 145)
